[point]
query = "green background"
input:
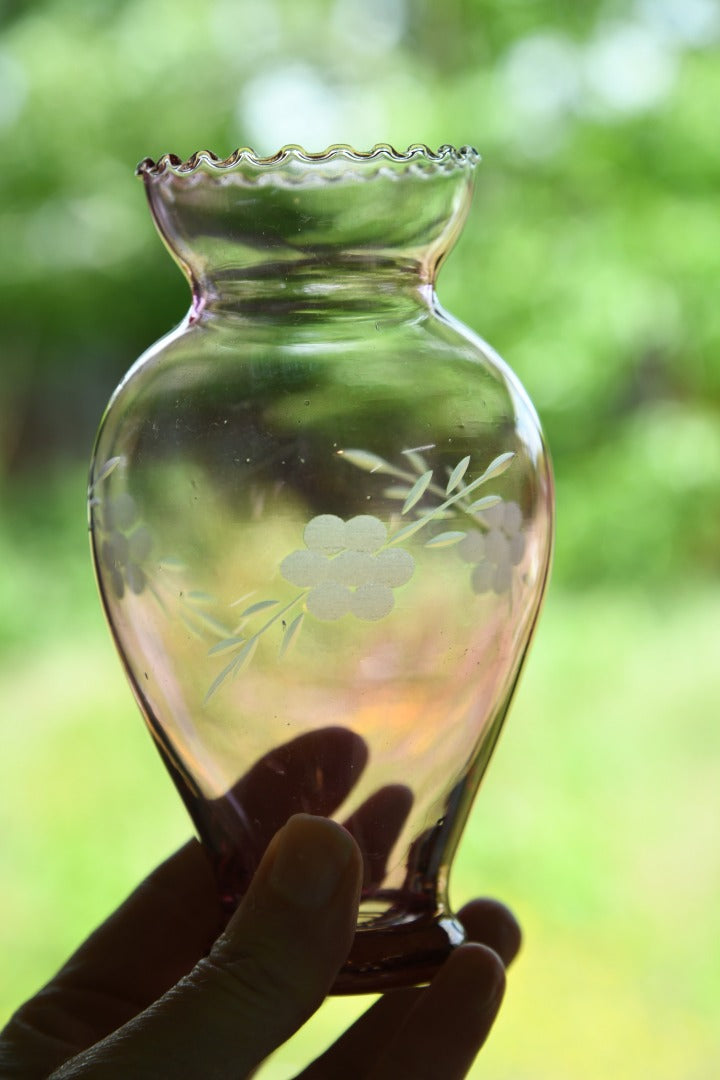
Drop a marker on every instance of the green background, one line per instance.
(591, 262)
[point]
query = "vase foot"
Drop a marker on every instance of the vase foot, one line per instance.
(400, 956)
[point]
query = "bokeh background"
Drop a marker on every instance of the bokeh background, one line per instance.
(591, 261)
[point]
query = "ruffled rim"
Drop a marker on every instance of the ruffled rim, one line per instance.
(416, 154)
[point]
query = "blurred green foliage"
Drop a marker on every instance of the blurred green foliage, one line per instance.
(596, 822)
(590, 259)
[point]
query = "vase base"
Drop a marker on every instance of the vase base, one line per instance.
(400, 956)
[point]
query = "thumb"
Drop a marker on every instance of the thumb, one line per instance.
(266, 974)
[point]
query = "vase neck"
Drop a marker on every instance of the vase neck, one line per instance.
(309, 231)
(309, 289)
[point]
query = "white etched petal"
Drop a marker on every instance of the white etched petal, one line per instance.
(115, 550)
(482, 577)
(139, 544)
(472, 548)
(502, 577)
(135, 578)
(497, 547)
(118, 584)
(512, 518)
(394, 567)
(329, 601)
(351, 568)
(516, 546)
(325, 533)
(365, 533)
(120, 512)
(304, 568)
(372, 602)
(107, 554)
(495, 515)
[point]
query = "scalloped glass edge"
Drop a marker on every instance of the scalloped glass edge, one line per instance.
(416, 153)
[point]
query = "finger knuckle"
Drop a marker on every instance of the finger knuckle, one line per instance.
(257, 976)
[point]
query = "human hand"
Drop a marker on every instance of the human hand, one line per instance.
(156, 993)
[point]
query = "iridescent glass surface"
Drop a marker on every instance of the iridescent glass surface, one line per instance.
(321, 516)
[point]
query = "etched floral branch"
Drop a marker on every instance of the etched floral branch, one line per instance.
(352, 567)
(495, 542)
(126, 547)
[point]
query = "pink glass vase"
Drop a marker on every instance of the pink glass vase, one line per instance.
(321, 519)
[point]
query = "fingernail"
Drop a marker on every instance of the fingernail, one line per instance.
(310, 859)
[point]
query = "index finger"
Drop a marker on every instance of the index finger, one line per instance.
(153, 939)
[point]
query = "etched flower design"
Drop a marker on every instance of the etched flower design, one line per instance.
(347, 568)
(125, 545)
(496, 552)
(352, 567)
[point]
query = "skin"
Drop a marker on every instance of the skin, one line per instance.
(165, 989)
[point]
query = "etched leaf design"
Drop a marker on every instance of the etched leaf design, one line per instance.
(245, 655)
(260, 606)
(396, 492)
(363, 459)
(200, 623)
(498, 466)
(417, 461)
(192, 626)
(485, 503)
(446, 539)
(174, 566)
(291, 633)
(220, 679)
(198, 599)
(225, 645)
(408, 531)
(417, 491)
(241, 599)
(159, 600)
(457, 474)
(105, 470)
(213, 625)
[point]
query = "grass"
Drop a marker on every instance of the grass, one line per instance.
(596, 821)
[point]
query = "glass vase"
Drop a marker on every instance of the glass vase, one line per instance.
(321, 520)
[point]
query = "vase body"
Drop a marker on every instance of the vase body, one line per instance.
(321, 518)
